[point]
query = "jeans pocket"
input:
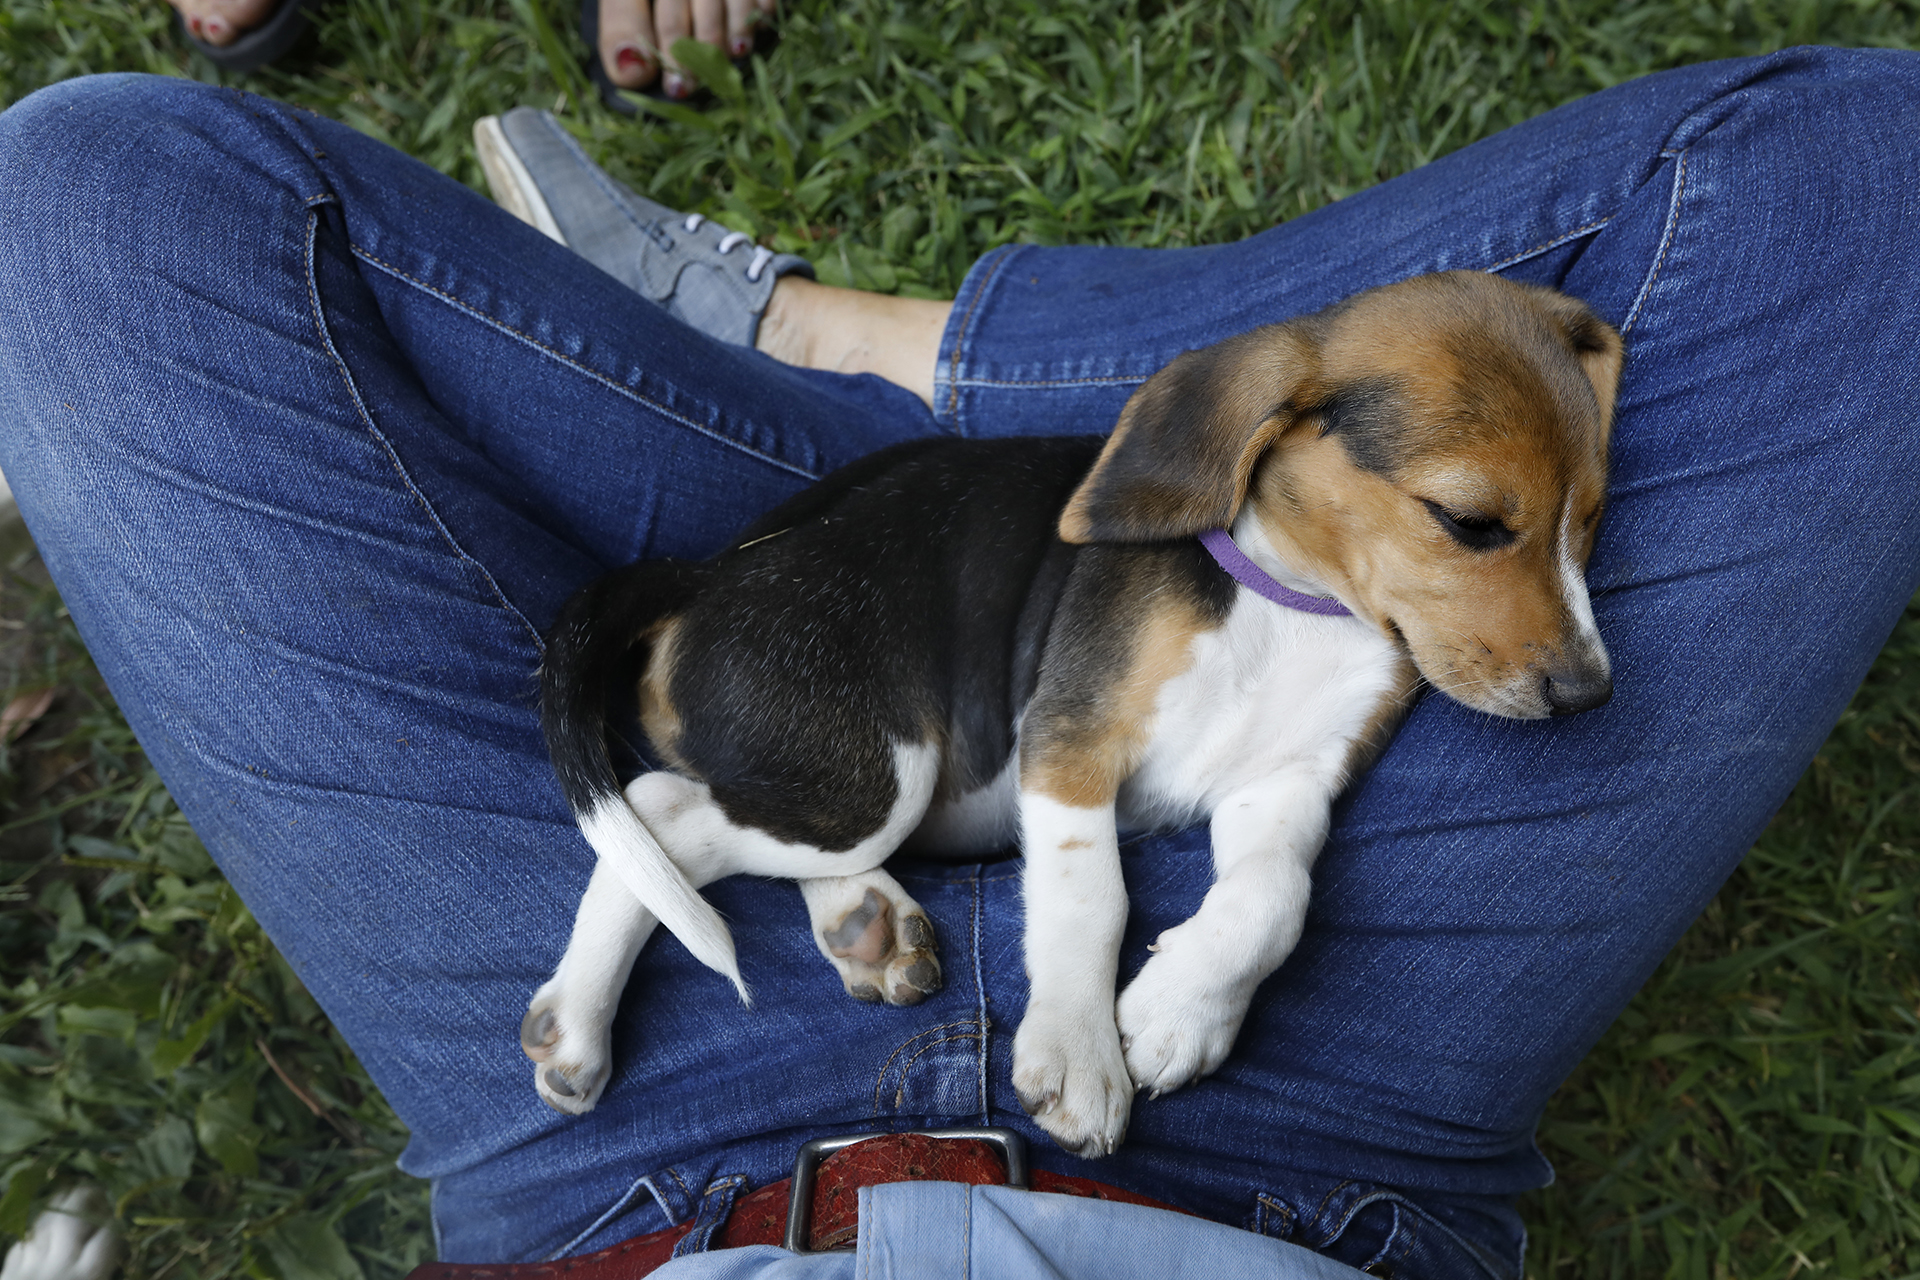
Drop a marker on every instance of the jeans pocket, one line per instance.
(1382, 1233)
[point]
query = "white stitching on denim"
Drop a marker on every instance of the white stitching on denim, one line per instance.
(380, 437)
(1539, 249)
(960, 338)
(1666, 239)
(1054, 382)
(575, 365)
(956, 382)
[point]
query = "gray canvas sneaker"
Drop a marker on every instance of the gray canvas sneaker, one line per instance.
(714, 279)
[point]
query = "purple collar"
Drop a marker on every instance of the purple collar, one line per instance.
(1257, 580)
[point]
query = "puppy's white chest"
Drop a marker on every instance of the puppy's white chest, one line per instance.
(1271, 689)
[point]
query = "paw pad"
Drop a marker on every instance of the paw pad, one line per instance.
(538, 1033)
(885, 951)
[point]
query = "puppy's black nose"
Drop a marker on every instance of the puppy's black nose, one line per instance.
(1574, 689)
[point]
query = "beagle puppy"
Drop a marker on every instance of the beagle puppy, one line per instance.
(954, 644)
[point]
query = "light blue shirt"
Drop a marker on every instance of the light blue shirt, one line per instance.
(951, 1231)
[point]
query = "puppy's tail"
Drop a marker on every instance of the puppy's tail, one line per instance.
(586, 654)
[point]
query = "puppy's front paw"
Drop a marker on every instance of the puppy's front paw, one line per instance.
(572, 1054)
(1177, 1024)
(1072, 1080)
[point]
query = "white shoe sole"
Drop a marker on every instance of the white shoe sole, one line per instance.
(512, 186)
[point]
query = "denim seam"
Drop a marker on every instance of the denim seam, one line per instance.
(1404, 1210)
(966, 1245)
(433, 1219)
(1550, 245)
(659, 1197)
(960, 339)
(1666, 238)
(865, 1195)
(880, 1081)
(1316, 1220)
(1265, 1209)
(956, 382)
(1351, 1211)
(1052, 382)
(607, 1216)
(716, 1206)
(1466, 1246)
(1399, 1243)
(380, 437)
(906, 1068)
(576, 366)
(980, 992)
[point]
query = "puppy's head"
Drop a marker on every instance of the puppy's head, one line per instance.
(1435, 451)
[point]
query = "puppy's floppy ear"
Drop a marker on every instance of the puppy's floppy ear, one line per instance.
(1596, 345)
(1180, 459)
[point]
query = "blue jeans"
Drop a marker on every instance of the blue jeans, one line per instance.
(312, 479)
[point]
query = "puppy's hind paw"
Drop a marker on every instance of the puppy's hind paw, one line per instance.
(571, 1063)
(914, 972)
(884, 950)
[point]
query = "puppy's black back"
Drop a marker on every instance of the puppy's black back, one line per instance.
(903, 599)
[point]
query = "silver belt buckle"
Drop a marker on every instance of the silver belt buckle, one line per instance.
(1013, 1150)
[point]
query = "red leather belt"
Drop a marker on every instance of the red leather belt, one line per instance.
(825, 1212)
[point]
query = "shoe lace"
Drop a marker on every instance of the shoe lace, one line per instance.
(733, 240)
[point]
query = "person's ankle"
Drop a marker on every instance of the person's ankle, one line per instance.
(784, 331)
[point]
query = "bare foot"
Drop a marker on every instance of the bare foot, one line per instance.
(818, 326)
(220, 22)
(636, 37)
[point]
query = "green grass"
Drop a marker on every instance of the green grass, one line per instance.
(1755, 1112)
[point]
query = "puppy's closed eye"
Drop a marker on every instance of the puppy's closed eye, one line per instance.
(1472, 530)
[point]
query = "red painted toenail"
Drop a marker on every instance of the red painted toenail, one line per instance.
(629, 58)
(193, 25)
(216, 28)
(740, 47)
(676, 87)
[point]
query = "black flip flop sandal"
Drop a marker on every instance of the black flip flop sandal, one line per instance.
(255, 47)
